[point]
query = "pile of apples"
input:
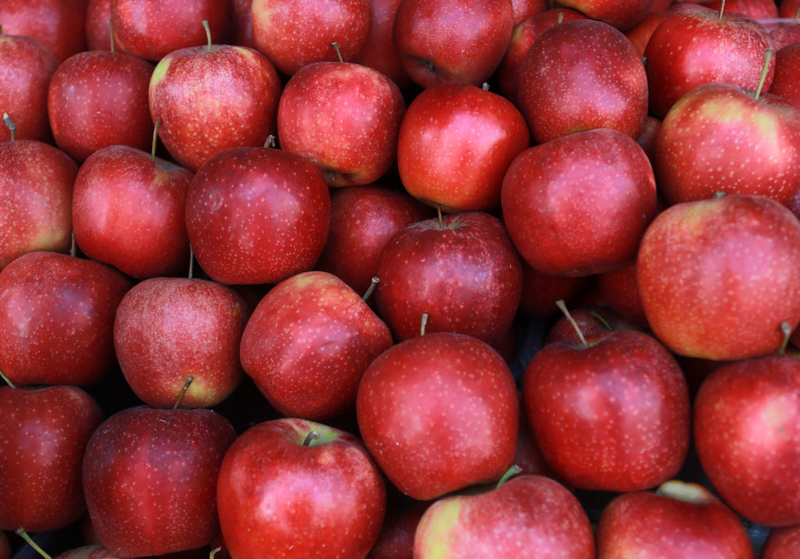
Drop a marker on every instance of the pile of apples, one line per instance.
(287, 278)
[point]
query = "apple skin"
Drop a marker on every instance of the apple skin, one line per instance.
(243, 23)
(452, 40)
(98, 30)
(187, 89)
(150, 479)
(622, 14)
(592, 320)
(581, 75)
(683, 53)
(750, 246)
(455, 144)
(308, 343)
(579, 205)
(782, 543)
(166, 329)
(43, 437)
(378, 51)
(756, 9)
(759, 477)
(541, 291)
(98, 99)
(152, 30)
(129, 211)
(57, 317)
(257, 215)
(679, 520)
(756, 142)
(344, 117)
(464, 273)
(620, 289)
(294, 33)
(523, 514)
(36, 182)
(277, 497)
(396, 539)
(640, 34)
(5, 548)
(363, 219)
(612, 416)
(451, 381)
(59, 24)
(785, 83)
(26, 68)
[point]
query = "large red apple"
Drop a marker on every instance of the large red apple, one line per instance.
(705, 265)
(295, 488)
(439, 413)
(59, 24)
(378, 51)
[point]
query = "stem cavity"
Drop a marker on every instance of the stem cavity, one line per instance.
(375, 281)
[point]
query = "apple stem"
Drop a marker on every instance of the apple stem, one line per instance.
(6, 379)
(310, 438)
(764, 70)
(11, 126)
(208, 33)
(796, 17)
(73, 246)
(111, 33)
(375, 281)
(191, 262)
(786, 329)
(560, 304)
(24, 535)
(602, 320)
(184, 390)
(485, 86)
(156, 126)
(717, 195)
(721, 9)
(214, 552)
(335, 46)
(560, 17)
(441, 218)
(270, 142)
(423, 324)
(512, 471)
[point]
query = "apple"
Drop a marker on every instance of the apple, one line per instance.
(622, 14)
(784, 83)
(523, 514)
(524, 9)
(291, 487)
(455, 144)
(462, 271)
(620, 289)
(649, 137)
(308, 343)
(439, 413)
(581, 75)
(758, 476)
(57, 317)
(640, 33)
(167, 329)
(378, 51)
(98, 99)
(678, 520)
(257, 215)
(694, 47)
(294, 33)
(756, 9)
(788, 8)
(243, 23)
(36, 182)
(98, 25)
(59, 24)
(190, 85)
(452, 40)
(43, 436)
(704, 265)
(150, 478)
(128, 210)
(152, 30)
(591, 320)
(579, 205)
(785, 35)
(782, 543)
(396, 538)
(540, 292)
(344, 117)
(610, 412)
(26, 68)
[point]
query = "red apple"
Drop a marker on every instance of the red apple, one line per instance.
(456, 142)
(452, 40)
(622, 14)
(679, 520)
(396, 539)
(579, 205)
(620, 289)
(788, 8)
(785, 83)
(640, 34)
(128, 211)
(524, 9)
(43, 436)
(293, 33)
(649, 137)
(541, 291)
(591, 320)
(26, 68)
(150, 478)
(704, 265)
(59, 24)
(756, 9)
(582, 75)
(463, 272)
(257, 215)
(746, 427)
(782, 543)
(524, 514)
(784, 36)
(189, 89)
(36, 182)
(344, 117)
(167, 329)
(57, 317)
(243, 23)
(98, 26)
(308, 343)
(295, 488)
(378, 51)
(609, 413)
(439, 413)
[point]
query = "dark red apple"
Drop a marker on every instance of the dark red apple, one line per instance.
(243, 23)
(591, 320)
(59, 24)
(439, 413)
(784, 36)
(787, 66)
(378, 51)
(620, 289)
(98, 26)
(43, 437)
(756, 9)
(541, 291)
(150, 478)
(640, 34)
(257, 215)
(291, 487)
(622, 14)
(782, 543)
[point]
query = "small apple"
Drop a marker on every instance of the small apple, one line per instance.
(782, 543)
